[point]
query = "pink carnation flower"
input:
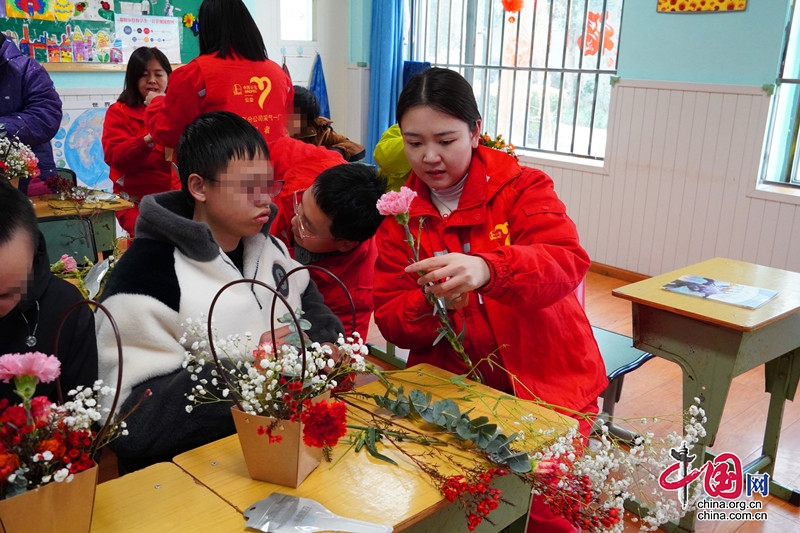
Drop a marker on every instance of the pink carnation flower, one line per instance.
(43, 367)
(396, 202)
(69, 263)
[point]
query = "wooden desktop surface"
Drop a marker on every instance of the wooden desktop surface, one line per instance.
(649, 292)
(359, 486)
(51, 206)
(161, 497)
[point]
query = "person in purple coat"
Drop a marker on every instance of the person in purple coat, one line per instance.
(30, 108)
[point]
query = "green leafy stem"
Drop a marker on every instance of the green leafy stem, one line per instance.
(485, 436)
(446, 329)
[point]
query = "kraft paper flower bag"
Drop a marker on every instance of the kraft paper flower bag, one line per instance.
(285, 418)
(47, 470)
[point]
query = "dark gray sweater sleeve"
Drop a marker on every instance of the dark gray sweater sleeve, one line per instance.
(160, 428)
(325, 326)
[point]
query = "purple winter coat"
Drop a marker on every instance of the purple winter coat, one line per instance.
(29, 104)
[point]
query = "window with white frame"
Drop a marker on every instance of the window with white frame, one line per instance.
(297, 20)
(781, 157)
(541, 76)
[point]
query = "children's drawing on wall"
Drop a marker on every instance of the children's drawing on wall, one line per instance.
(696, 6)
(77, 146)
(60, 10)
(75, 45)
(95, 31)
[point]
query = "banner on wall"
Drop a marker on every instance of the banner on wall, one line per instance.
(139, 30)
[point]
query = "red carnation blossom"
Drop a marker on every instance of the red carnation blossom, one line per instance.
(324, 423)
(15, 416)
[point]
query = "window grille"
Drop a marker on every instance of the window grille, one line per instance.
(542, 76)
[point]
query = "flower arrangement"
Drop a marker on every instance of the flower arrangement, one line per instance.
(461, 452)
(17, 160)
(498, 143)
(42, 442)
(66, 190)
(276, 380)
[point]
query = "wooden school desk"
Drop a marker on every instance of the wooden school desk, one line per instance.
(714, 342)
(161, 497)
(367, 489)
(101, 215)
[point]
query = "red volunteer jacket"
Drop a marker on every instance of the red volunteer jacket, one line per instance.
(136, 168)
(356, 269)
(259, 91)
(527, 314)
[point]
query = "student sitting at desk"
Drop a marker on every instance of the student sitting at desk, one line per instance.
(341, 199)
(33, 300)
(189, 244)
(334, 223)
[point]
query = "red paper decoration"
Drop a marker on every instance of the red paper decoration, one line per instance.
(513, 6)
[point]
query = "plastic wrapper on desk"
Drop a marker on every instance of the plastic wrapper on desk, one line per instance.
(281, 513)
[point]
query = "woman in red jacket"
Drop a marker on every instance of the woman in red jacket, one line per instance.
(138, 164)
(497, 244)
(232, 73)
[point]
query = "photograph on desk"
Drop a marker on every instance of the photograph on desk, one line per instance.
(721, 291)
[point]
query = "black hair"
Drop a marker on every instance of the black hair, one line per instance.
(443, 90)
(137, 64)
(306, 104)
(211, 141)
(347, 194)
(17, 215)
(227, 28)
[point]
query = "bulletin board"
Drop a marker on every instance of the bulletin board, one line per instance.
(82, 33)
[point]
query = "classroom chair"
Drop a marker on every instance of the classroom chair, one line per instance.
(69, 234)
(68, 174)
(620, 357)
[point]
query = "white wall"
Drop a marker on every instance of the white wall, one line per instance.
(679, 181)
(344, 81)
